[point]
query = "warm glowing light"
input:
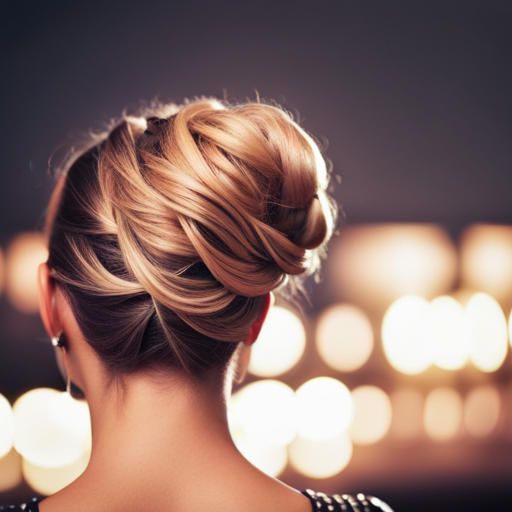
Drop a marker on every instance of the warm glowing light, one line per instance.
(486, 259)
(320, 459)
(482, 409)
(23, 257)
(450, 333)
(272, 460)
(280, 344)
(10, 471)
(510, 328)
(375, 264)
(61, 434)
(263, 412)
(323, 408)
(2, 270)
(407, 335)
(372, 415)
(407, 420)
(487, 328)
(443, 414)
(6, 426)
(344, 337)
(48, 481)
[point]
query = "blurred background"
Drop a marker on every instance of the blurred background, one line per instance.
(396, 380)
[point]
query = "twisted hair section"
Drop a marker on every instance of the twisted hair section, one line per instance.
(167, 235)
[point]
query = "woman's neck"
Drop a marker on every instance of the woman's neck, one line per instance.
(152, 409)
(157, 442)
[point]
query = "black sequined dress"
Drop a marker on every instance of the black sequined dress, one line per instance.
(320, 502)
(345, 502)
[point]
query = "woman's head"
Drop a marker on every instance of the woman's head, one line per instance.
(168, 235)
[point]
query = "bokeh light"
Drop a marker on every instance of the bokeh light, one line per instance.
(450, 333)
(372, 415)
(344, 337)
(280, 344)
(407, 418)
(486, 259)
(443, 414)
(263, 412)
(487, 329)
(323, 408)
(482, 409)
(375, 264)
(61, 434)
(23, 257)
(510, 328)
(48, 481)
(6, 426)
(407, 335)
(320, 459)
(2, 270)
(10, 471)
(272, 460)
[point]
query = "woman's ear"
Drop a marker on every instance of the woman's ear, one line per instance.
(46, 288)
(258, 324)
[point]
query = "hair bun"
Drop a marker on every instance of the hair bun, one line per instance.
(240, 189)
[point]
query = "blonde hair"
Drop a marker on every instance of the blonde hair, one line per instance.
(170, 232)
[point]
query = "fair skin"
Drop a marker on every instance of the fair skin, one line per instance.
(161, 442)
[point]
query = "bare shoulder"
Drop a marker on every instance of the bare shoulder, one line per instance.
(322, 502)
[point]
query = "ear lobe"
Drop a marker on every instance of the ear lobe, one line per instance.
(258, 324)
(46, 289)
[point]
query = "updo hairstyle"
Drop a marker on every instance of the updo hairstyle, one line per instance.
(170, 231)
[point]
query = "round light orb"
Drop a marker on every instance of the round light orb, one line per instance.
(61, 434)
(486, 259)
(482, 409)
(10, 471)
(24, 255)
(374, 265)
(372, 415)
(450, 333)
(2, 270)
(407, 418)
(323, 408)
(48, 481)
(487, 330)
(6, 426)
(510, 328)
(280, 344)
(443, 414)
(344, 337)
(320, 459)
(272, 460)
(263, 412)
(407, 335)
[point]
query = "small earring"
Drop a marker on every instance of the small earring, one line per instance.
(59, 340)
